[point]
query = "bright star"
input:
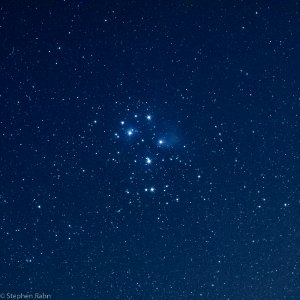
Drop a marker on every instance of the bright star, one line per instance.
(152, 189)
(148, 117)
(122, 122)
(160, 142)
(148, 161)
(130, 132)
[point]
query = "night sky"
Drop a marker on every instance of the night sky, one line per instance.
(150, 149)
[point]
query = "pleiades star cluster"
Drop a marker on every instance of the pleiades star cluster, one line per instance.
(150, 150)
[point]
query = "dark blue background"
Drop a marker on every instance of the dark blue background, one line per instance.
(220, 80)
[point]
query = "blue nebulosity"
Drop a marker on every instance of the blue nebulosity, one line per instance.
(150, 150)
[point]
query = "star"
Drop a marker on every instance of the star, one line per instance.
(148, 161)
(148, 117)
(130, 132)
(152, 189)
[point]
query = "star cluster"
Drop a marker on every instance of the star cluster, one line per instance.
(150, 161)
(150, 150)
